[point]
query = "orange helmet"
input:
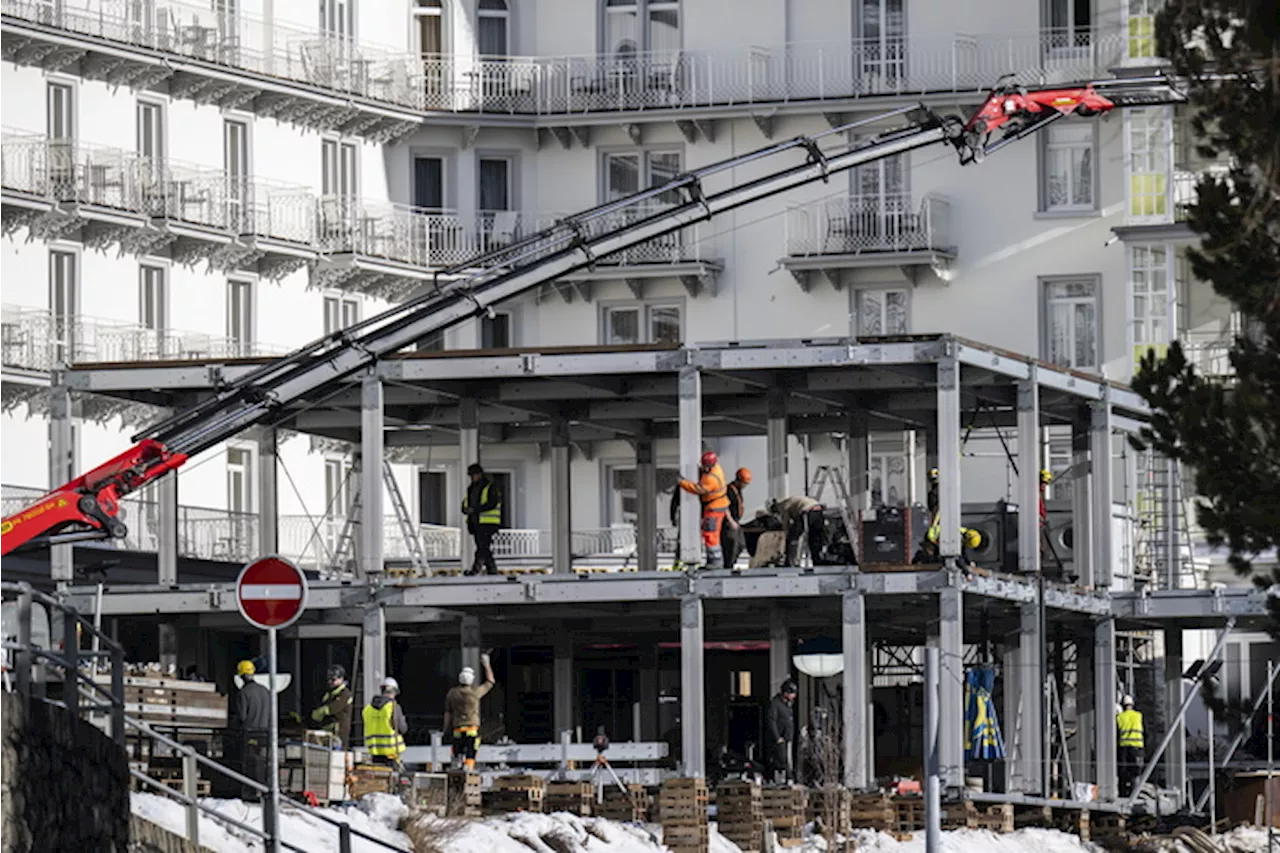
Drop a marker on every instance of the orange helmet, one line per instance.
(710, 459)
(743, 476)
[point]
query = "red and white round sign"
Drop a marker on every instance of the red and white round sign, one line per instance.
(271, 593)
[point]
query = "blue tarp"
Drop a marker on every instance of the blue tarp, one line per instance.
(982, 739)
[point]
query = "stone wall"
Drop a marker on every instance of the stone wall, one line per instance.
(65, 782)
(149, 837)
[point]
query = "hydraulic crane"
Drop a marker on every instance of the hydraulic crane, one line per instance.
(87, 508)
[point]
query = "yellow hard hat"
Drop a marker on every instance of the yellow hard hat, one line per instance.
(1046, 476)
(972, 538)
(933, 473)
(245, 667)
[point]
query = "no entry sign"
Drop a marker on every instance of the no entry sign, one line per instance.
(271, 593)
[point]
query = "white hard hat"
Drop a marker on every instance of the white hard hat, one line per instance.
(1126, 700)
(390, 683)
(467, 676)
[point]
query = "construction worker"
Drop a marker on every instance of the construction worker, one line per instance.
(482, 507)
(712, 490)
(334, 713)
(253, 710)
(1046, 477)
(462, 712)
(801, 516)
(780, 731)
(385, 725)
(734, 539)
(930, 552)
(1129, 756)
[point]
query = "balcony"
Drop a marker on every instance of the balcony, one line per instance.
(682, 255)
(831, 236)
(1209, 352)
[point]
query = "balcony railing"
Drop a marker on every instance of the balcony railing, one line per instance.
(396, 232)
(814, 71)
(36, 339)
(1209, 352)
(856, 224)
(681, 246)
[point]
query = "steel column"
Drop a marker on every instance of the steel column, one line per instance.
(948, 466)
(1175, 760)
(1100, 488)
(62, 463)
(1029, 476)
(856, 453)
(1032, 727)
(1081, 520)
(692, 687)
(779, 651)
(690, 454)
(856, 682)
(1104, 703)
(646, 506)
(469, 639)
(561, 511)
(372, 533)
(167, 640)
(951, 685)
(562, 697)
(776, 444)
(167, 524)
(268, 503)
(1086, 712)
(468, 454)
(1011, 724)
(373, 647)
(932, 751)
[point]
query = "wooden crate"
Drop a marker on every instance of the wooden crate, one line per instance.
(686, 839)
(996, 817)
(370, 779)
(632, 806)
(740, 813)
(830, 807)
(1107, 827)
(572, 797)
(682, 804)
(872, 811)
(1075, 821)
(430, 792)
(512, 800)
(909, 814)
(463, 793)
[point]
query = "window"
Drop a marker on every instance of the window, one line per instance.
(428, 27)
(882, 312)
(495, 184)
(1150, 282)
(428, 183)
(337, 487)
(240, 316)
(642, 324)
(503, 480)
(1149, 138)
(60, 113)
(235, 162)
(64, 293)
(1070, 26)
(338, 169)
(1141, 29)
(623, 492)
(340, 312)
(433, 342)
(337, 19)
(493, 27)
(153, 301)
(882, 27)
(1058, 461)
(1071, 319)
(239, 479)
(433, 498)
(495, 331)
(1067, 165)
(151, 135)
(625, 35)
(887, 471)
(626, 173)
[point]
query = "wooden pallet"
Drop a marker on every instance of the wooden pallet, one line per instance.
(682, 805)
(909, 814)
(831, 807)
(872, 811)
(997, 817)
(740, 814)
(572, 797)
(633, 806)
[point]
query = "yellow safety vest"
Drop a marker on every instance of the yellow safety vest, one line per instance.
(380, 736)
(1129, 724)
(487, 516)
(935, 530)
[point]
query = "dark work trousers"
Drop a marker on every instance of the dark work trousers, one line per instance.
(780, 761)
(256, 747)
(810, 523)
(1129, 765)
(483, 535)
(731, 540)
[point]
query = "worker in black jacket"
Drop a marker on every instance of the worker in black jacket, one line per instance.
(734, 538)
(780, 732)
(253, 710)
(483, 510)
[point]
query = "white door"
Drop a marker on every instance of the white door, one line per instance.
(235, 162)
(1153, 302)
(240, 317)
(64, 304)
(882, 45)
(153, 309)
(878, 208)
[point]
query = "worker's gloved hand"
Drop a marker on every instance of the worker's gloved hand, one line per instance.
(484, 658)
(320, 713)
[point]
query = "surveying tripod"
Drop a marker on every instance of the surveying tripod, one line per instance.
(601, 743)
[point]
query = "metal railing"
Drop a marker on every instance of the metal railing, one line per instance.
(1209, 352)
(38, 339)
(882, 223)
(799, 71)
(396, 232)
(677, 247)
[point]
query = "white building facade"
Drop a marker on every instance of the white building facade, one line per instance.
(189, 180)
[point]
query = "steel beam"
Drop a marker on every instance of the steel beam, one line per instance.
(1011, 722)
(62, 464)
(167, 524)
(646, 506)
(856, 457)
(949, 461)
(469, 640)
(518, 754)
(1101, 479)
(776, 444)
(690, 453)
(1175, 758)
(1029, 476)
(1032, 723)
(855, 682)
(692, 688)
(1086, 711)
(779, 651)
(561, 508)
(373, 647)
(950, 643)
(1104, 702)
(562, 697)
(468, 454)
(268, 503)
(1081, 501)
(372, 534)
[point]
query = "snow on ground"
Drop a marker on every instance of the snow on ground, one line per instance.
(968, 841)
(554, 833)
(1242, 839)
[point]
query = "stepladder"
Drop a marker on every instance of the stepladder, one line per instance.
(834, 478)
(344, 557)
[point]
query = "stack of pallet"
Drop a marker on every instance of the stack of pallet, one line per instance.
(632, 806)
(169, 774)
(522, 792)
(164, 701)
(431, 793)
(740, 814)
(682, 805)
(572, 797)
(997, 817)
(463, 793)
(909, 814)
(370, 779)
(785, 807)
(1107, 828)
(831, 808)
(872, 811)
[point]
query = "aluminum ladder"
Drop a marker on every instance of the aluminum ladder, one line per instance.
(835, 477)
(344, 554)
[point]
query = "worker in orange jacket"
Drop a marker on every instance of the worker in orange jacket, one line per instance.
(712, 490)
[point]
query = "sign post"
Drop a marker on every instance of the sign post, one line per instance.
(271, 593)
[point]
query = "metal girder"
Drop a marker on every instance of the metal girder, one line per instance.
(1192, 607)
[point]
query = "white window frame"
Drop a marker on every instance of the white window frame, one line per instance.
(448, 180)
(245, 454)
(858, 294)
(612, 510)
(338, 20)
(340, 311)
(244, 343)
(503, 15)
(1047, 283)
(644, 173)
(645, 311)
(510, 160)
(642, 38)
(1064, 41)
(886, 448)
(153, 297)
(63, 257)
(237, 153)
(511, 329)
(158, 139)
(1140, 259)
(1049, 146)
(1140, 31)
(339, 168)
(1148, 159)
(417, 11)
(68, 89)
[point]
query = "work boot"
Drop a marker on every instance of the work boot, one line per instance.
(715, 558)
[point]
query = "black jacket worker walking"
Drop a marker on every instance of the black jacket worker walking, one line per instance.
(483, 508)
(780, 732)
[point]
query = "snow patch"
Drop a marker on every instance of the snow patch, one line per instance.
(968, 841)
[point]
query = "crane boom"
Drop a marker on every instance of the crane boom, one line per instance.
(87, 507)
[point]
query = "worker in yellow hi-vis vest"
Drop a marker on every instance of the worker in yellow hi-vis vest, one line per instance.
(385, 725)
(482, 507)
(1129, 756)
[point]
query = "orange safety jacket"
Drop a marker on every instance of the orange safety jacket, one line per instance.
(711, 488)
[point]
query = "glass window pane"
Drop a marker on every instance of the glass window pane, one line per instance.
(495, 184)
(895, 312)
(491, 34)
(664, 26)
(1085, 353)
(622, 173)
(870, 313)
(623, 326)
(664, 325)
